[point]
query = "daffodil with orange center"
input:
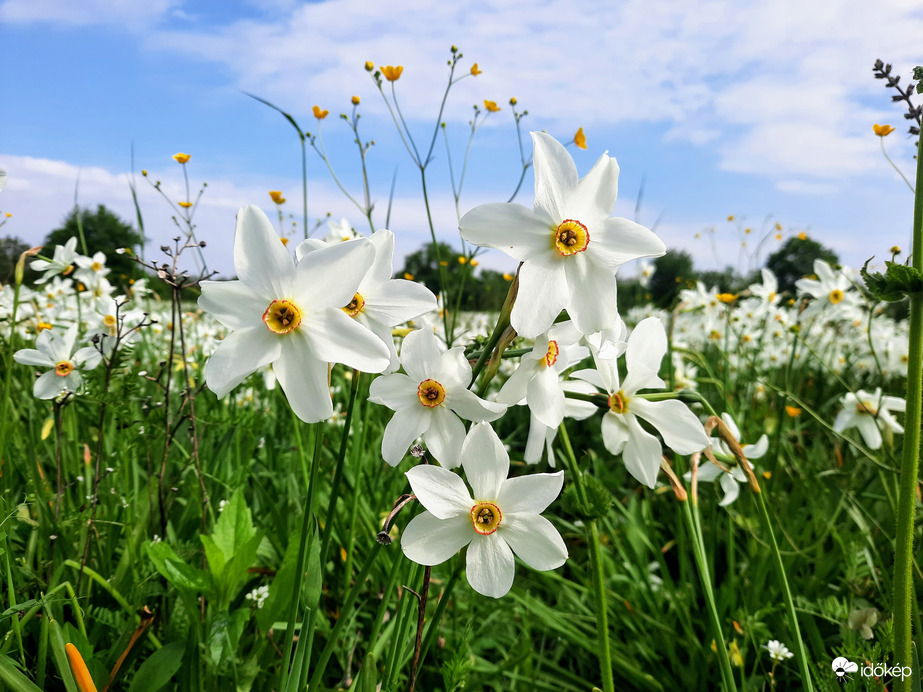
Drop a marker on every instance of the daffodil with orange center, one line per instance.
(289, 316)
(429, 400)
(62, 262)
(568, 245)
(870, 412)
(830, 291)
(55, 350)
(500, 516)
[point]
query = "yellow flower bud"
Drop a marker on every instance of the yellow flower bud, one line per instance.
(513, 101)
(355, 100)
(369, 66)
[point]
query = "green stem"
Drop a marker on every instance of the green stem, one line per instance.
(602, 609)
(800, 652)
(302, 548)
(910, 463)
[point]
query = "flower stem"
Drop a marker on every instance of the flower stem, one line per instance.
(602, 614)
(910, 463)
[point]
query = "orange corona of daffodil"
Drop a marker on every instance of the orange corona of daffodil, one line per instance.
(580, 139)
(882, 130)
(392, 73)
(277, 197)
(181, 158)
(355, 100)
(79, 669)
(491, 106)
(474, 70)
(318, 113)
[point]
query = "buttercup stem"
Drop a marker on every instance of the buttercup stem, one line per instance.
(910, 463)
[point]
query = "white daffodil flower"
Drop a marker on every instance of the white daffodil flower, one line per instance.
(831, 291)
(429, 399)
(62, 262)
(500, 517)
(57, 351)
(289, 316)
(541, 437)
(92, 270)
(730, 482)
(568, 245)
(340, 232)
(538, 377)
(381, 302)
(866, 411)
(622, 433)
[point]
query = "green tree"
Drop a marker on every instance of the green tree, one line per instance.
(671, 272)
(104, 232)
(10, 250)
(795, 260)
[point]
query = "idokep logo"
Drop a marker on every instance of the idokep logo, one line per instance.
(842, 667)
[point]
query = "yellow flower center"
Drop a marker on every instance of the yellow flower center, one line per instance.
(571, 237)
(109, 320)
(356, 305)
(282, 317)
(64, 368)
(431, 393)
(96, 266)
(43, 325)
(551, 356)
(486, 517)
(772, 296)
(836, 296)
(618, 403)
(866, 407)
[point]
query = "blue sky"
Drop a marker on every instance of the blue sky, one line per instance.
(755, 109)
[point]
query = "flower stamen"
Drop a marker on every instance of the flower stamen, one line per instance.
(618, 402)
(486, 518)
(571, 237)
(431, 393)
(282, 317)
(355, 306)
(836, 296)
(64, 368)
(551, 356)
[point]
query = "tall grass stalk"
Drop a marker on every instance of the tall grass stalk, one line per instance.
(910, 463)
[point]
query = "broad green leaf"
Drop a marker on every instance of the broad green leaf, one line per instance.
(224, 636)
(159, 668)
(177, 572)
(895, 284)
(232, 533)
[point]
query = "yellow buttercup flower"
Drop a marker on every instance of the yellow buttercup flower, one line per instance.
(793, 411)
(369, 66)
(185, 205)
(392, 73)
(474, 263)
(508, 277)
(408, 276)
(726, 297)
(355, 100)
(181, 158)
(277, 196)
(462, 259)
(882, 130)
(802, 236)
(318, 113)
(491, 106)
(474, 70)
(580, 139)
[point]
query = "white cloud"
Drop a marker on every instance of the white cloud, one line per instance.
(135, 14)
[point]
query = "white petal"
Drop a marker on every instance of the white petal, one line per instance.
(261, 261)
(303, 378)
(537, 441)
(421, 354)
(241, 353)
(330, 277)
(406, 425)
(543, 293)
(535, 540)
(514, 389)
(731, 489)
(546, 397)
(308, 245)
(511, 228)
(233, 303)
(29, 356)
(395, 391)
(530, 494)
(706, 473)
(869, 431)
(646, 346)
(555, 177)
(445, 436)
(642, 455)
(619, 240)
(682, 432)
(431, 541)
(732, 426)
(382, 269)
(490, 565)
(335, 337)
(596, 192)
(471, 407)
(398, 301)
(485, 461)
(87, 357)
(442, 492)
(591, 294)
(615, 431)
(48, 386)
(755, 451)
(454, 370)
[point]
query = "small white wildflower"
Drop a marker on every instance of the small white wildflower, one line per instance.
(258, 596)
(221, 505)
(777, 650)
